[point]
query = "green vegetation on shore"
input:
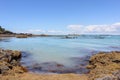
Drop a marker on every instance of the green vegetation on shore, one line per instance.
(7, 33)
(4, 31)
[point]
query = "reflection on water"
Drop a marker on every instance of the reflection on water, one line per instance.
(4, 39)
(58, 51)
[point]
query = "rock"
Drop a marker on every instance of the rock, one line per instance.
(36, 67)
(102, 64)
(54, 67)
(10, 62)
(3, 68)
(117, 74)
(90, 66)
(48, 67)
(25, 54)
(106, 78)
(21, 36)
(14, 63)
(16, 55)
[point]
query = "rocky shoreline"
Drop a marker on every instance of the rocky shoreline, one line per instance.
(105, 66)
(10, 62)
(11, 69)
(102, 66)
(20, 35)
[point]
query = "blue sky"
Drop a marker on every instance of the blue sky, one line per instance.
(61, 16)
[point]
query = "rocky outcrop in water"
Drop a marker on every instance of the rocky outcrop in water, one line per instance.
(10, 62)
(105, 66)
(21, 36)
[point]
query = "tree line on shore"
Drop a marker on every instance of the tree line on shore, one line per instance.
(4, 31)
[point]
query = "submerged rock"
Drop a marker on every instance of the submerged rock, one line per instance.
(10, 62)
(54, 67)
(78, 66)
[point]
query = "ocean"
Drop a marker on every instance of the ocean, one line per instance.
(45, 53)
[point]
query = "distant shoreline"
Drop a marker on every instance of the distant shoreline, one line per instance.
(47, 35)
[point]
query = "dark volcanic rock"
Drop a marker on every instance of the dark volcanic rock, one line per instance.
(10, 62)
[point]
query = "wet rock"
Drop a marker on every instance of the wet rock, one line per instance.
(25, 54)
(36, 66)
(80, 64)
(83, 61)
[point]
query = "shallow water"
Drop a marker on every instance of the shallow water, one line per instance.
(59, 49)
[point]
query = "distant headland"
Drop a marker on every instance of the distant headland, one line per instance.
(7, 33)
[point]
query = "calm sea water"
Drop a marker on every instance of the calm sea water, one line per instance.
(59, 49)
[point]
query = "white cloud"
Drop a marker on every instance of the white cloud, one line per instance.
(116, 24)
(75, 27)
(40, 31)
(80, 29)
(36, 30)
(102, 29)
(54, 31)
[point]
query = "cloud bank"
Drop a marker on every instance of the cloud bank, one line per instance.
(81, 29)
(95, 29)
(40, 31)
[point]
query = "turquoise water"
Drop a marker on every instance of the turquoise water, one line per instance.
(59, 49)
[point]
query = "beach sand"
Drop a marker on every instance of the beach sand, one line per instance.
(33, 76)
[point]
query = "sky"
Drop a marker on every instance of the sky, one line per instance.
(61, 16)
